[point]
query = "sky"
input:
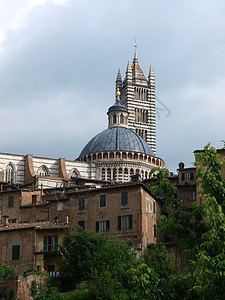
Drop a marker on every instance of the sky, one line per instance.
(59, 60)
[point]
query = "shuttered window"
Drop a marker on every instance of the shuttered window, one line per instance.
(10, 201)
(81, 203)
(50, 243)
(81, 224)
(125, 222)
(103, 226)
(16, 252)
(154, 231)
(102, 200)
(124, 198)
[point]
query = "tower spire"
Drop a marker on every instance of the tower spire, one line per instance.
(151, 76)
(128, 72)
(118, 80)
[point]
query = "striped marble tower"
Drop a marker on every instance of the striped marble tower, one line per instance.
(138, 94)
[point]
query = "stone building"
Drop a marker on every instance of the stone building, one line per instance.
(42, 172)
(126, 211)
(32, 246)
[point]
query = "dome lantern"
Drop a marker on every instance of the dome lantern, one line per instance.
(118, 113)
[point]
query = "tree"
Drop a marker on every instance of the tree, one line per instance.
(6, 272)
(86, 252)
(201, 231)
(144, 283)
(156, 256)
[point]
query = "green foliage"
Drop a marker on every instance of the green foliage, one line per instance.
(6, 272)
(85, 251)
(49, 294)
(144, 283)
(157, 258)
(33, 288)
(201, 231)
(106, 286)
(178, 287)
(76, 294)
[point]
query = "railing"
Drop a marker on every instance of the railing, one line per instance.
(47, 248)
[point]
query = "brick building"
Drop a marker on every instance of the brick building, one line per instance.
(126, 211)
(32, 246)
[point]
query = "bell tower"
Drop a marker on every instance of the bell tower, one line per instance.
(138, 95)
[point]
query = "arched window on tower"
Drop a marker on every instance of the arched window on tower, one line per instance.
(121, 119)
(43, 171)
(114, 119)
(10, 173)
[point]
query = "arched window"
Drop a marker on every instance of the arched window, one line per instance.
(114, 119)
(73, 174)
(43, 171)
(10, 173)
(121, 119)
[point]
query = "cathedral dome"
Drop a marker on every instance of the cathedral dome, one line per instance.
(117, 139)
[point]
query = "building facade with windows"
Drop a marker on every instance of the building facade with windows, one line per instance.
(126, 211)
(32, 246)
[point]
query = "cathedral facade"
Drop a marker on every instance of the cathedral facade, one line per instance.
(126, 148)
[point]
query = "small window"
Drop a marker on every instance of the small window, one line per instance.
(182, 176)
(124, 198)
(16, 252)
(59, 206)
(121, 119)
(181, 194)
(12, 221)
(130, 244)
(81, 224)
(34, 199)
(114, 119)
(102, 200)
(154, 231)
(10, 201)
(187, 176)
(192, 176)
(192, 195)
(154, 207)
(81, 203)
